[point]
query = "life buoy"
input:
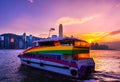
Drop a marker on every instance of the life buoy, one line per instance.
(73, 72)
(28, 62)
(19, 56)
(41, 64)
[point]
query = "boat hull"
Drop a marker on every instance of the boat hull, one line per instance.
(77, 69)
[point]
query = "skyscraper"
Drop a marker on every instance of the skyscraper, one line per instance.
(60, 30)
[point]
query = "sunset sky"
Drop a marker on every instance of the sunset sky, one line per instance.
(91, 20)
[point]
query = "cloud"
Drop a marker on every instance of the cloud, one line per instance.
(117, 5)
(115, 32)
(70, 21)
(31, 1)
(95, 36)
(102, 36)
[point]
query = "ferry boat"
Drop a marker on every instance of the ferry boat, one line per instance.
(66, 55)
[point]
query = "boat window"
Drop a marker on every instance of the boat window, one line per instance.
(58, 57)
(54, 57)
(24, 55)
(39, 56)
(33, 55)
(49, 43)
(46, 57)
(66, 42)
(30, 55)
(67, 57)
(81, 56)
(35, 44)
(50, 57)
(81, 44)
(56, 43)
(42, 57)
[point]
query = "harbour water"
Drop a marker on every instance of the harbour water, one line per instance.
(107, 68)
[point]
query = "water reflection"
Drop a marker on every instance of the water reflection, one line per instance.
(35, 75)
(107, 61)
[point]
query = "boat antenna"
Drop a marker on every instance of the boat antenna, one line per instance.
(51, 29)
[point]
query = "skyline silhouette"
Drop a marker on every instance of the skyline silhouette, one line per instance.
(90, 20)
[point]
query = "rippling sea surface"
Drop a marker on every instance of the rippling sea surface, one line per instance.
(107, 68)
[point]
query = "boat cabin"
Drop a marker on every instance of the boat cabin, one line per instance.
(80, 48)
(62, 42)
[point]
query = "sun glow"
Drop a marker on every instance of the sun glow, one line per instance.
(96, 37)
(90, 40)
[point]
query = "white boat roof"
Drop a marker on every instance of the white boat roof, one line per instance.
(57, 39)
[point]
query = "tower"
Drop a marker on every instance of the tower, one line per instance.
(60, 30)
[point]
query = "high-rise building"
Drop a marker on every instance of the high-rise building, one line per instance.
(60, 30)
(13, 41)
(30, 39)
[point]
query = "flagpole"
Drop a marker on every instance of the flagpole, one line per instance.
(50, 31)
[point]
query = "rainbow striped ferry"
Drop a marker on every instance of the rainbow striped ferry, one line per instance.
(64, 55)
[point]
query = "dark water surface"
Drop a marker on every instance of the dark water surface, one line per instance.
(107, 68)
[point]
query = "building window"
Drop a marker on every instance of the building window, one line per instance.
(12, 40)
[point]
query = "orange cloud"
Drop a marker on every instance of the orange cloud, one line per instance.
(70, 21)
(98, 36)
(95, 36)
(102, 36)
(115, 32)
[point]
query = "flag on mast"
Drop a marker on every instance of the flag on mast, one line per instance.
(52, 29)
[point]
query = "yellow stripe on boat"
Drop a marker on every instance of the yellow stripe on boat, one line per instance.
(51, 48)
